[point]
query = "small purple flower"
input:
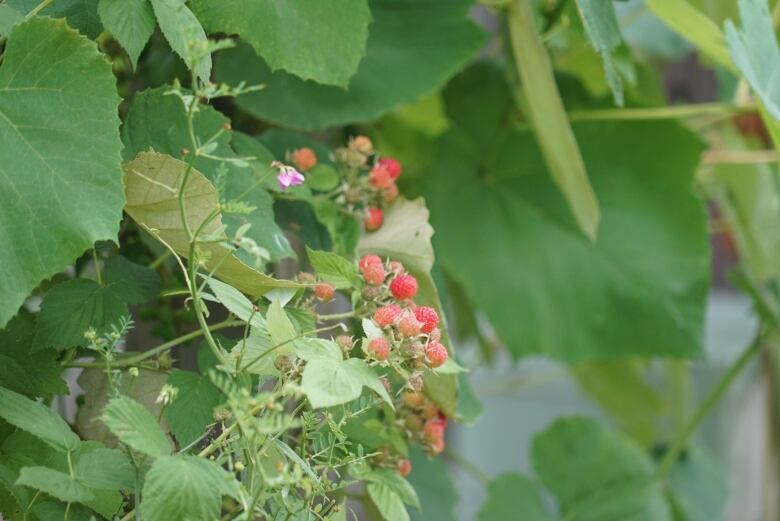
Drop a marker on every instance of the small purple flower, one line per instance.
(288, 176)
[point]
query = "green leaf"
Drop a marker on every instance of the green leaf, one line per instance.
(432, 481)
(621, 389)
(59, 195)
(601, 26)
(151, 184)
(24, 370)
(133, 283)
(183, 488)
(549, 121)
(311, 39)
(570, 458)
(81, 14)
(388, 502)
(650, 266)
(510, 493)
(396, 482)
(279, 327)
(322, 177)
(106, 469)
(343, 229)
(8, 18)
(413, 49)
(694, 26)
(697, 487)
(37, 419)
(193, 409)
(184, 34)
(755, 52)
(238, 304)
(131, 22)
(334, 268)
(158, 121)
(54, 483)
(253, 355)
(136, 427)
(328, 382)
(73, 307)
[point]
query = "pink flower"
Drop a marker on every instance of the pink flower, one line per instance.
(288, 176)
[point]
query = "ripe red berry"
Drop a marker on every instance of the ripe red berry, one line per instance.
(391, 165)
(324, 291)
(374, 274)
(379, 349)
(369, 260)
(428, 317)
(390, 193)
(404, 467)
(387, 315)
(433, 430)
(304, 158)
(404, 287)
(374, 219)
(409, 326)
(436, 354)
(380, 177)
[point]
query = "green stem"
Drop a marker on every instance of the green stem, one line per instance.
(37, 9)
(680, 443)
(336, 316)
(679, 111)
(159, 260)
(96, 260)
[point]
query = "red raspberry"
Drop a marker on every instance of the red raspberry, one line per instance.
(395, 267)
(304, 158)
(324, 291)
(387, 315)
(374, 219)
(380, 177)
(428, 317)
(409, 326)
(438, 446)
(404, 287)
(436, 354)
(369, 260)
(433, 430)
(391, 165)
(404, 467)
(390, 193)
(375, 274)
(379, 349)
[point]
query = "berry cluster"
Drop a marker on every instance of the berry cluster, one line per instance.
(369, 180)
(423, 421)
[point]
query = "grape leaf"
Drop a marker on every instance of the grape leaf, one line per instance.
(135, 426)
(697, 487)
(59, 155)
(54, 483)
(80, 14)
(510, 493)
(158, 121)
(37, 419)
(314, 40)
(131, 22)
(413, 48)
(8, 18)
(569, 458)
(73, 307)
(183, 488)
(193, 409)
(650, 267)
(151, 183)
(133, 283)
(184, 34)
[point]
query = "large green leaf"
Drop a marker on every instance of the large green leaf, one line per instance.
(329, 381)
(106, 469)
(25, 370)
(80, 14)
(601, 26)
(131, 22)
(133, 283)
(755, 52)
(697, 487)
(184, 488)
(314, 40)
(548, 118)
(432, 481)
(158, 121)
(596, 474)
(514, 247)
(414, 47)
(511, 493)
(73, 307)
(37, 419)
(59, 155)
(151, 184)
(136, 427)
(334, 268)
(184, 34)
(388, 502)
(193, 409)
(8, 18)
(54, 483)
